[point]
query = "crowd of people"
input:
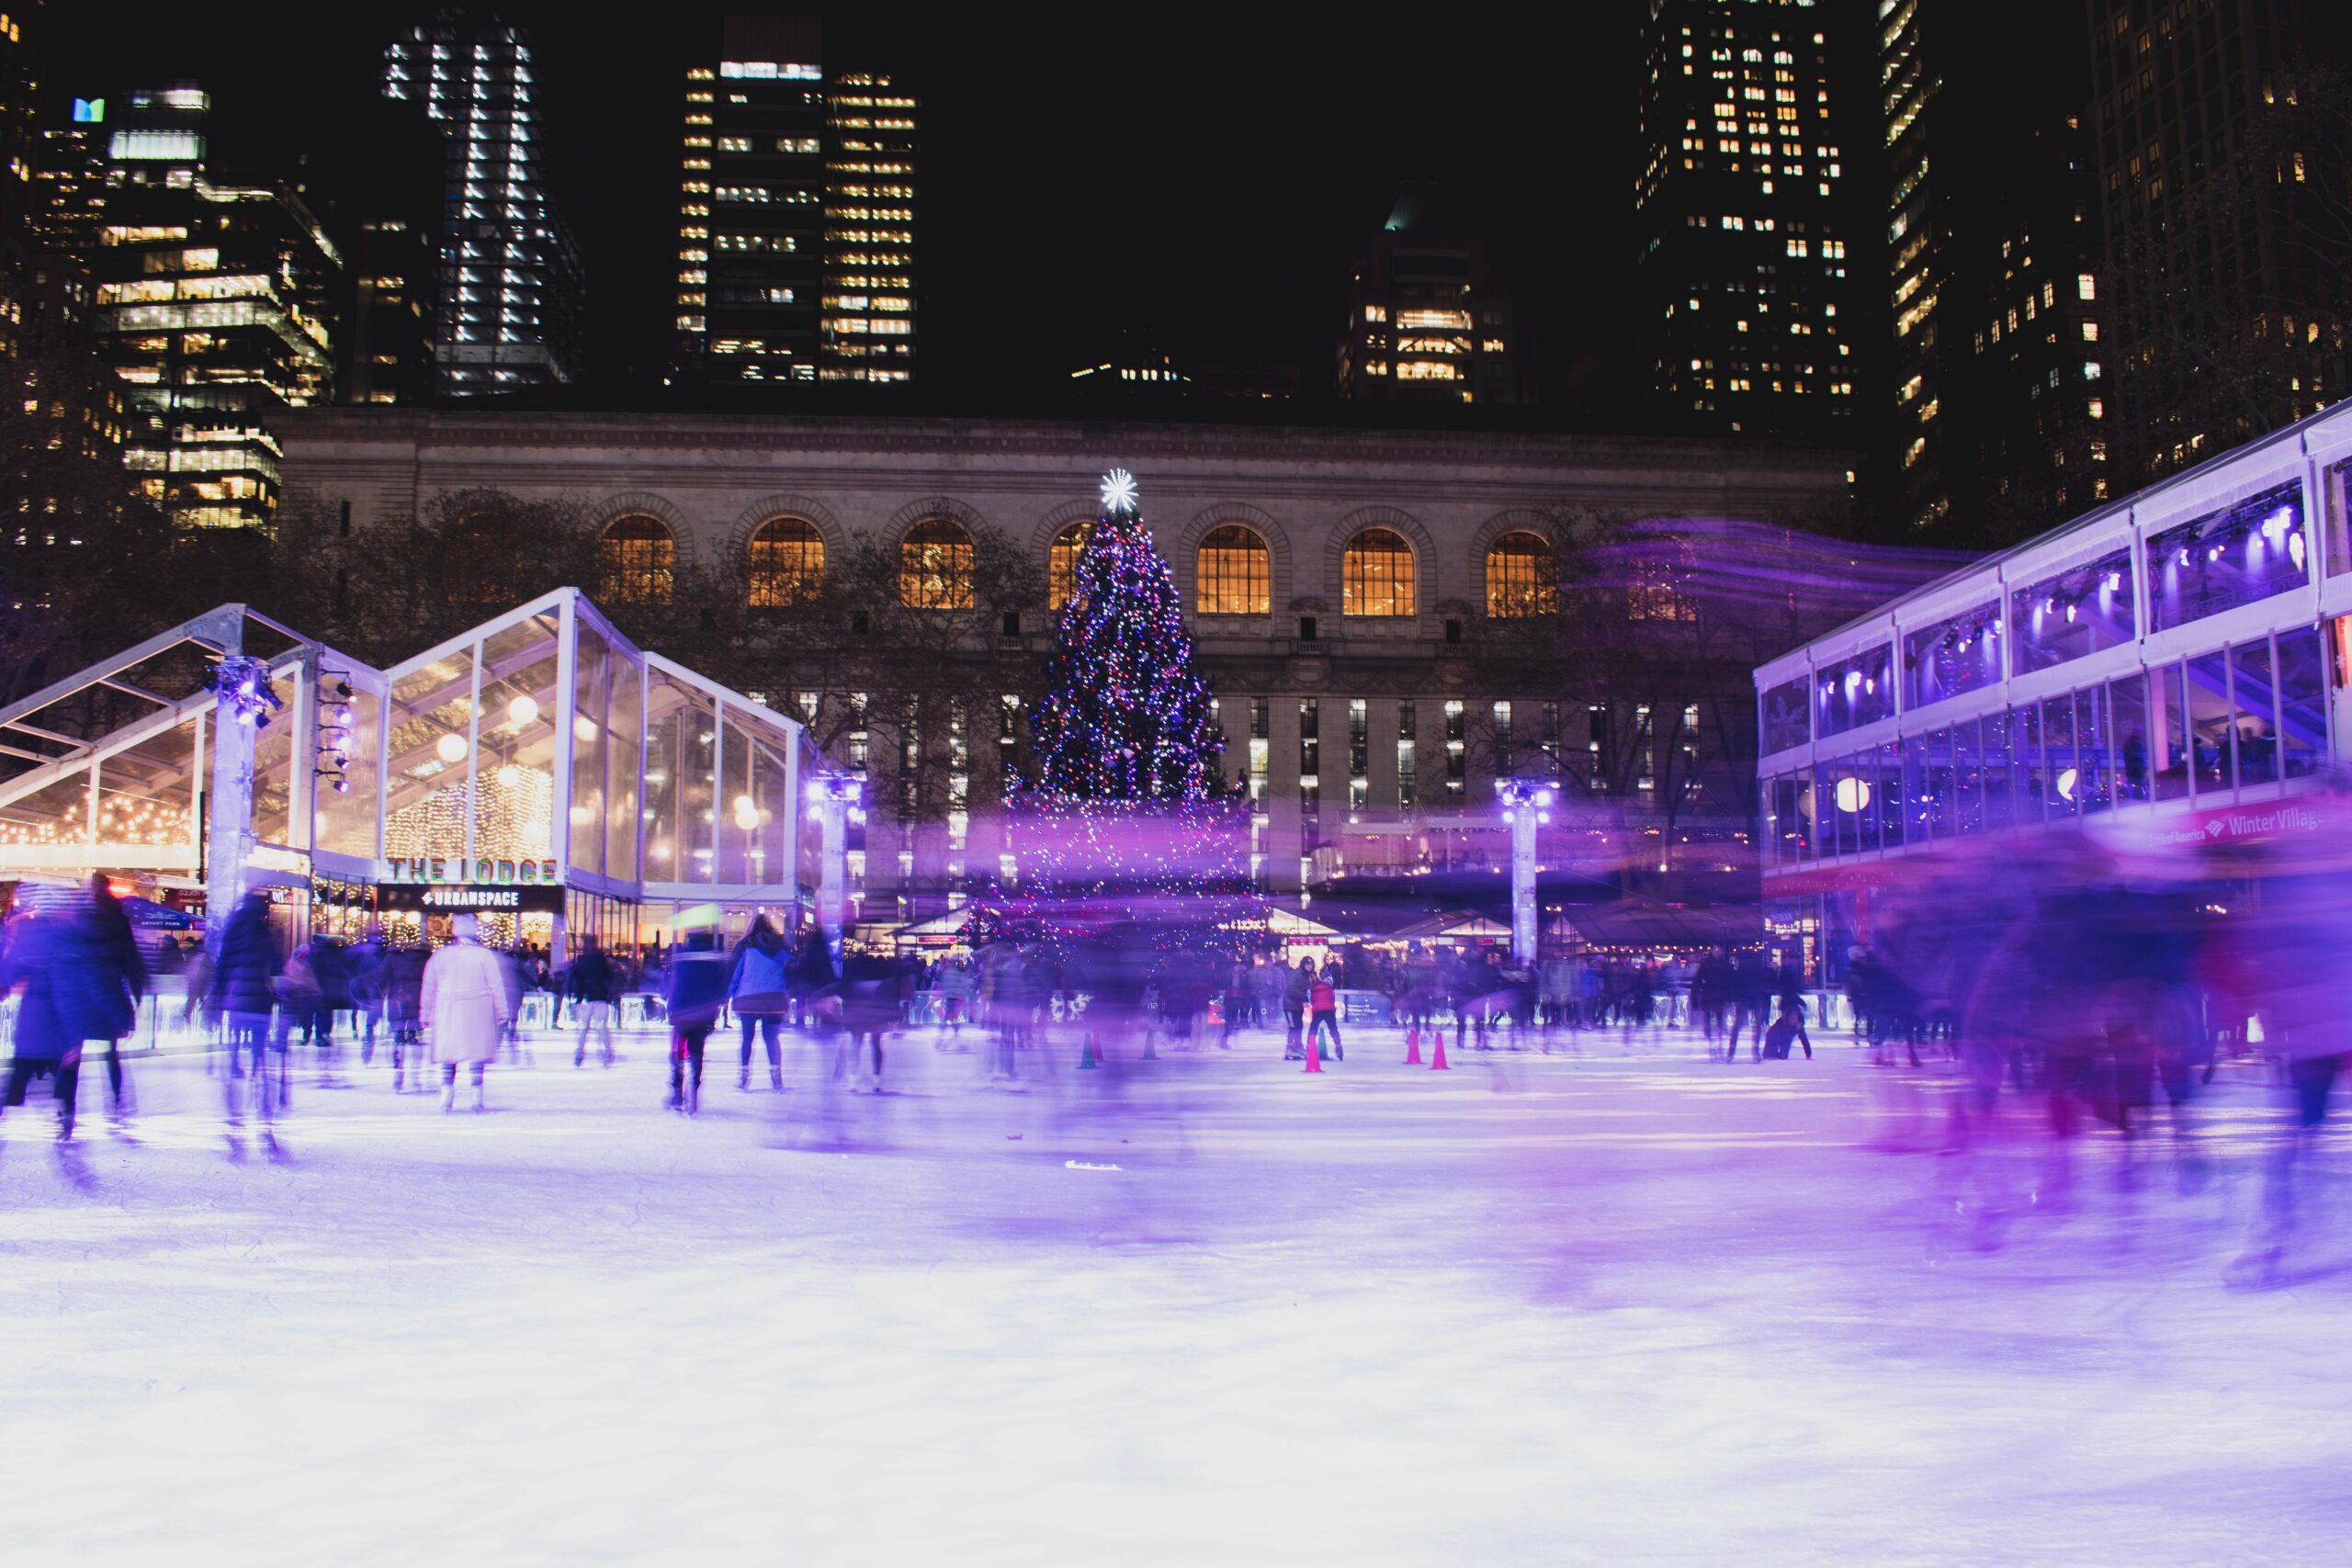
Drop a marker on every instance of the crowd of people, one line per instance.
(2090, 992)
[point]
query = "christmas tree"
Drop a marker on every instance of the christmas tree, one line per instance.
(1126, 716)
(1129, 817)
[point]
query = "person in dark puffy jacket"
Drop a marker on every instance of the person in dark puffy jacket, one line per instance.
(122, 981)
(243, 992)
(592, 983)
(401, 979)
(697, 992)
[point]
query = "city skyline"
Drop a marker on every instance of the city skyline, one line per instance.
(1169, 192)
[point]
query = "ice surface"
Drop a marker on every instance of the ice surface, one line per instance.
(1621, 1306)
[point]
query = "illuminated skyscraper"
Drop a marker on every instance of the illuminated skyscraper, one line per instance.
(1997, 392)
(2218, 136)
(1425, 319)
(511, 282)
(213, 310)
(796, 215)
(1746, 219)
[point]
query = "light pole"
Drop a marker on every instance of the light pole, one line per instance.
(1526, 805)
(831, 795)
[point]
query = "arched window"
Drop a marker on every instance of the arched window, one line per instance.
(1230, 574)
(1521, 577)
(788, 562)
(1376, 575)
(1061, 562)
(636, 561)
(481, 563)
(935, 566)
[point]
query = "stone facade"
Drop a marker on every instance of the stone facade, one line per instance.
(1307, 491)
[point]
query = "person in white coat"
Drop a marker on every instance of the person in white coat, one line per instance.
(465, 1007)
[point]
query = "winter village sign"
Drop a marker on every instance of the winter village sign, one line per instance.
(432, 883)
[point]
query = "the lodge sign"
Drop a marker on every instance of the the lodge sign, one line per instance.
(433, 869)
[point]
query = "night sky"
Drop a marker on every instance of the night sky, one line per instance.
(1211, 177)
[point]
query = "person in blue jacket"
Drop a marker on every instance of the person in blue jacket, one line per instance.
(758, 991)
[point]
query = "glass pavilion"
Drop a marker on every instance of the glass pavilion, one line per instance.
(539, 769)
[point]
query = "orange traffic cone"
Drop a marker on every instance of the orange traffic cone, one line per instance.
(1413, 1048)
(1314, 1054)
(1086, 1057)
(1437, 1062)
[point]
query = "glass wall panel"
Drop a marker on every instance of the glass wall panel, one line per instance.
(2234, 556)
(2063, 767)
(146, 793)
(1919, 792)
(1790, 830)
(738, 808)
(2172, 745)
(2254, 696)
(770, 853)
(344, 820)
(2339, 538)
(1967, 791)
(426, 808)
(1954, 656)
(1856, 691)
(682, 735)
(2029, 793)
(625, 760)
(1784, 718)
(1826, 823)
(2094, 789)
(2072, 612)
(1941, 811)
(591, 749)
(2127, 705)
(275, 759)
(56, 813)
(1994, 779)
(2303, 701)
(1887, 801)
(2214, 765)
(515, 772)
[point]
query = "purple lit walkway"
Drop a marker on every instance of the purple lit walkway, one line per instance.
(1601, 1308)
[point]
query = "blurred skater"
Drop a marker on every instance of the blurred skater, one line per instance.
(1787, 1030)
(697, 991)
(401, 979)
(75, 987)
(591, 984)
(121, 980)
(759, 989)
(465, 1007)
(242, 994)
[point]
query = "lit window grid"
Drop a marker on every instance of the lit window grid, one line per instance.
(787, 562)
(1376, 576)
(1232, 574)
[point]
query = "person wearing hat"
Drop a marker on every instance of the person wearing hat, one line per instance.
(465, 1007)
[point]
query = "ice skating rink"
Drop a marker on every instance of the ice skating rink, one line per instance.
(1619, 1305)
